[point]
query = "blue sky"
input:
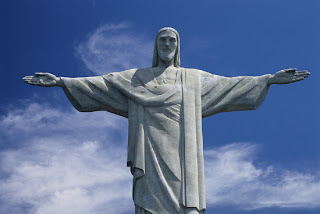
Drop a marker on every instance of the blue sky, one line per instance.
(56, 160)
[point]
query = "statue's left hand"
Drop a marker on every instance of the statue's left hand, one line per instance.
(288, 76)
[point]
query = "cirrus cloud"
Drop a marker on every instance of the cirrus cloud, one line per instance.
(63, 162)
(232, 178)
(115, 47)
(77, 165)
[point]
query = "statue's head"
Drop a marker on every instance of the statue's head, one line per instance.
(167, 47)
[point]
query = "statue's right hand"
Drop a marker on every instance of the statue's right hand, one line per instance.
(43, 79)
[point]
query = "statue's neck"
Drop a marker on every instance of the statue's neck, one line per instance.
(165, 64)
(163, 70)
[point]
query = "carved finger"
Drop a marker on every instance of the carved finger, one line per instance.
(301, 75)
(31, 83)
(297, 79)
(33, 80)
(27, 77)
(305, 73)
(302, 72)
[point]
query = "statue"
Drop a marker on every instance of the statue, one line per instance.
(165, 105)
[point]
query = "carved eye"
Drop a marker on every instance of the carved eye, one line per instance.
(172, 39)
(162, 39)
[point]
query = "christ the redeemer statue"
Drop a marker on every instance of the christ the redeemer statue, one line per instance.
(165, 105)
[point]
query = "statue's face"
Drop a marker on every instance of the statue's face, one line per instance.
(167, 45)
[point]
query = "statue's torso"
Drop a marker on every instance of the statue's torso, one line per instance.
(159, 189)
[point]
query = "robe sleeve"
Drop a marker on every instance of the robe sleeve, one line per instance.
(89, 94)
(225, 94)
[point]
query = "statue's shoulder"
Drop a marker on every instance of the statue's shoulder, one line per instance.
(126, 74)
(136, 71)
(198, 72)
(202, 73)
(140, 71)
(143, 74)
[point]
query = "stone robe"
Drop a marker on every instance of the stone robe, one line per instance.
(165, 148)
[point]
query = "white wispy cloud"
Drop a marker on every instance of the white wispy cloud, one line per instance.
(232, 178)
(73, 164)
(40, 118)
(57, 169)
(115, 47)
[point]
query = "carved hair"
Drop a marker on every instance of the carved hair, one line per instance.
(176, 61)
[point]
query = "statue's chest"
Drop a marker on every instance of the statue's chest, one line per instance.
(167, 79)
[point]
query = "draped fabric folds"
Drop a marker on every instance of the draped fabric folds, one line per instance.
(139, 210)
(165, 148)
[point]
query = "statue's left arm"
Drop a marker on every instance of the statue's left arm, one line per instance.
(225, 94)
(288, 76)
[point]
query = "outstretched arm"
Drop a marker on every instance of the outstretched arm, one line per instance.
(224, 94)
(85, 93)
(288, 76)
(43, 79)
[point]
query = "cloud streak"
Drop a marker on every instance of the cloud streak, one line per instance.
(233, 179)
(115, 47)
(61, 170)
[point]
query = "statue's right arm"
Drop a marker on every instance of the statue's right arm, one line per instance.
(44, 80)
(85, 93)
